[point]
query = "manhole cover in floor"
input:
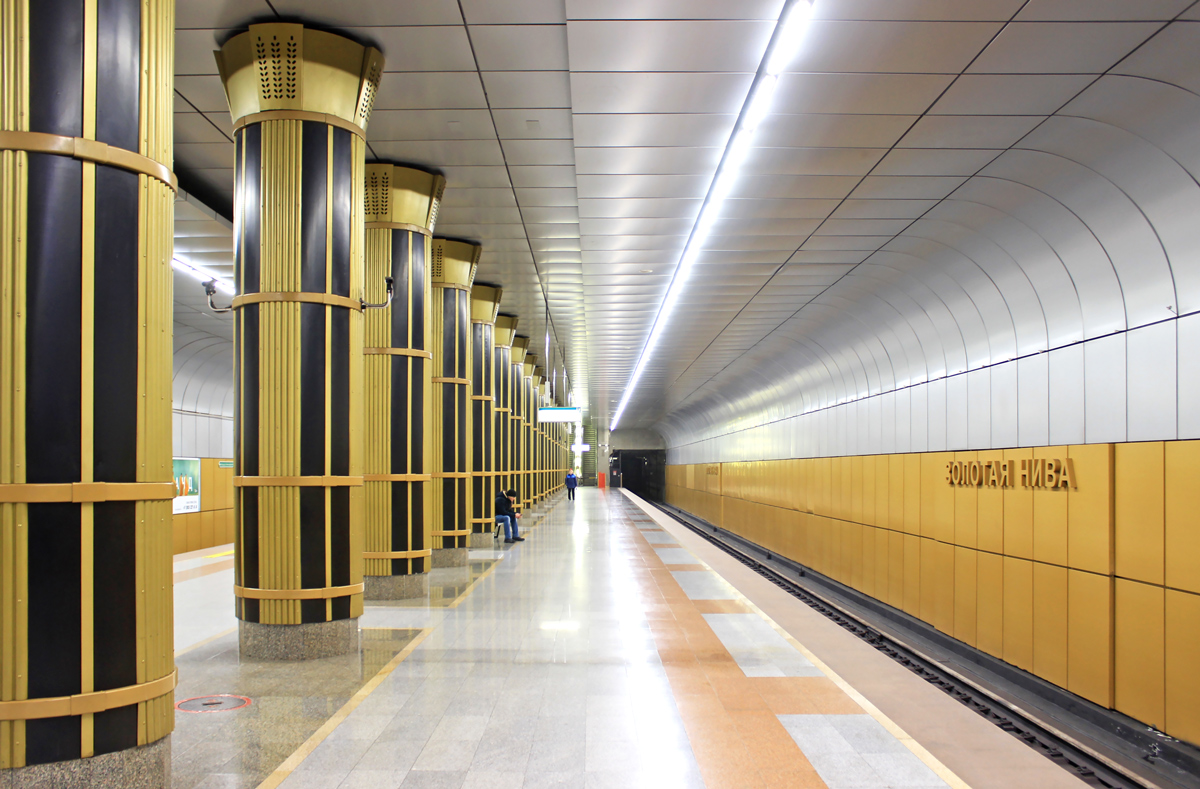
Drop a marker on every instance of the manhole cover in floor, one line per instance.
(220, 703)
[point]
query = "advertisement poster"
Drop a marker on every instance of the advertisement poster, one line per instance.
(187, 485)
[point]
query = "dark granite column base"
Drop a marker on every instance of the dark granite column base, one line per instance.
(448, 557)
(395, 587)
(298, 642)
(485, 542)
(143, 767)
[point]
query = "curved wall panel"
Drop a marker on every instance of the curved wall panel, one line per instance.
(1050, 298)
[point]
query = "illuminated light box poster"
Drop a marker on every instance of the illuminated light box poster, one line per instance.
(187, 485)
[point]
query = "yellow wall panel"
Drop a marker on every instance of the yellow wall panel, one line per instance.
(966, 583)
(883, 493)
(966, 507)
(854, 508)
(989, 603)
(867, 552)
(937, 497)
(1139, 676)
(837, 467)
(179, 532)
(1018, 612)
(912, 575)
(895, 595)
(943, 581)
(1090, 509)
(867, 493)
(1050, 623)
(929, 581)
(1089, 636)
(1182, 654)
(1050, 516)
(990, 515)
(1138, 505)
(195, 538)
(882, 564)
(912, 494)
(1018, 513)
(896, 465)
(1182, 515)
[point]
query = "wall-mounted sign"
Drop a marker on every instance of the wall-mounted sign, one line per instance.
(1048, 473)
(557, 414)
(224, 464)
(581, 448)
(186, 472)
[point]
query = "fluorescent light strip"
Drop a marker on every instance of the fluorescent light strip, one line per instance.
(785, 41)
(201, 274)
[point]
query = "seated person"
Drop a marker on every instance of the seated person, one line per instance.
(507, 516)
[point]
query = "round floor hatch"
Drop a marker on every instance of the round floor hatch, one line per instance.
(222, 702)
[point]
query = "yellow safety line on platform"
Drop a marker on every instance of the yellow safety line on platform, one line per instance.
(927, 758)
(219, 555)
(319, 736)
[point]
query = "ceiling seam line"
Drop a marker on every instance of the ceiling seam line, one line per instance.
(511, 186)
(1096, 78)
(202, 115)
(841, 202)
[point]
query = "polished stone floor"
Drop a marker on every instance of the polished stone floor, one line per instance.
(602, 652)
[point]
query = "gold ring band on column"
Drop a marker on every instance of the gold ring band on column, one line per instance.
(399, 226)
(485, 398)
(88, 151)
(397, 554)
(298, 115)
(298, 482)
(451, 475)
(450, 532)
(321, 593)
(85, 492)
(452, 286)
(85, 703)
(305, 298)
(455, 381)
(397, 477)
(397, 352)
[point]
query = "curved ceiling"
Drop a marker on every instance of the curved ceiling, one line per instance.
(941, 185)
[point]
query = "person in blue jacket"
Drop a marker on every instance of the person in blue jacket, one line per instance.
(572, 482)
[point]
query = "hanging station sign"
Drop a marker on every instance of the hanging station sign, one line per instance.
(1048, 473)
(557, 414)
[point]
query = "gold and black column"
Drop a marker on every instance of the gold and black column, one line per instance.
(517, 467)
(529, 442)
(485, 304)
(506, 328)
(401, 209)
(87, 668)
(300, 100)
(453, 269)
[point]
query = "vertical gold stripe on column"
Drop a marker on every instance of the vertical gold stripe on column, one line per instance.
(328, 358)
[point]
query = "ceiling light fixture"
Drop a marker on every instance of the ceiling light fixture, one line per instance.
(785, 42)
(203, 275)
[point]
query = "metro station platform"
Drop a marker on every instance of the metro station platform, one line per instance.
(612, 648)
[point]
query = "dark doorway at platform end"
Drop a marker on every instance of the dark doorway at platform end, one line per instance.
(643, 471)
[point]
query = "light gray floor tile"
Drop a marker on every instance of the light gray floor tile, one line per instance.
(846, 770)
(902, 769)
(373, 779)
(446, 755)
(418, 779)
(676, 556)
(566, 780)
(659, 538)
(493, 780)
(866, 734)
(704, 585)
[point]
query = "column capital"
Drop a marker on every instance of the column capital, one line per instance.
(506, 330)
(402, 196)
(454, 263)
(520, 347)
(485, 303)
(295, 72)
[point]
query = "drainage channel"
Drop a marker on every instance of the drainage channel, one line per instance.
(1090, 766)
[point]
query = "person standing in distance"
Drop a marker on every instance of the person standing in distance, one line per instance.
(507, 516)
(572, 482)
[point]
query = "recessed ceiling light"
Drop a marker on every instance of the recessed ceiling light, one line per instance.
(647, 271)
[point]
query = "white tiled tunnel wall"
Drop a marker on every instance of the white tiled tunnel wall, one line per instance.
(1140, 385)
(201, 435)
